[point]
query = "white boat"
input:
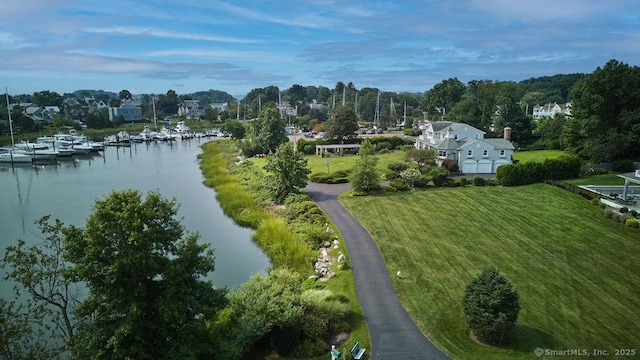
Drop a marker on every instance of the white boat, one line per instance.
(37, 151)
(168, 134)
(182, 131)
(10, 155)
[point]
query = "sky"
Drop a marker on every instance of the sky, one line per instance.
(194, 45)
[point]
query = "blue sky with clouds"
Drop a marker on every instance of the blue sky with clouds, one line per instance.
(190, 45)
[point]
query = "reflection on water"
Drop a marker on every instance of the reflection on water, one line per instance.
(67, 190)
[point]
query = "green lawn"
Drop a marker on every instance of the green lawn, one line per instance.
(319, 164)
(603, 179)
(575, 270)
(537, 155)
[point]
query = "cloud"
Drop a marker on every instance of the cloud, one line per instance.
(153, 32)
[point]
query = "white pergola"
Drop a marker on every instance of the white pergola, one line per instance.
(633, 177)
(322, 150)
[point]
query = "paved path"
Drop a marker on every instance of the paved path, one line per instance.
(393, 333)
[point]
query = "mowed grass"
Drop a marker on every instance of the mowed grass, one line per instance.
(537, 155)
(602, 179)
(575, 270)
(318, 164)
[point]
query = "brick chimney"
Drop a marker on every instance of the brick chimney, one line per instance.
(507, 133)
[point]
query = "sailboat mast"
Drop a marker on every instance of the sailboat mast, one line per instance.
(6, 94)
(155, 121)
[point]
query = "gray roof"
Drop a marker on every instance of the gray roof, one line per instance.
(498, 144)
(448, 144)
(439, 125)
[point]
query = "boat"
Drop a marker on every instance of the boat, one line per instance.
(10, 155)
(36, 151)
(182, 131)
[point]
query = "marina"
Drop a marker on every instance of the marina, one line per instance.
(66, 189)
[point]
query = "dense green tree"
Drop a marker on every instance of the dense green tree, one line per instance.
(364, 176)
(442, 97)
(270, 130)
(491, 306)
(296, 94)
(511, 113)
(125, 95)
(47, 98)
(323, 94)
(342, 124)
(147, 299)
(607, 106)
(421, 157)
(287, 172)
(550, 130)
(235, 128)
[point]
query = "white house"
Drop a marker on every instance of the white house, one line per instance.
(549, 109)
(467, 146)
(191, 109)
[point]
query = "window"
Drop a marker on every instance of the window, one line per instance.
(469, 153)
(485, 153)
(502, 153)
(442, 153)
(476, 136)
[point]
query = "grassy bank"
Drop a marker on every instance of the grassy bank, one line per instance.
(239, 193)
(574, 269)
(537, 155)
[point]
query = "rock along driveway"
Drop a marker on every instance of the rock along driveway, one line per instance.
(393, 333)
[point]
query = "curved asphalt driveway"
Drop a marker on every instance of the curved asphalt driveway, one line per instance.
(393, 333)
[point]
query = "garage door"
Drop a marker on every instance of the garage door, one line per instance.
(468, 167)
(485, 167)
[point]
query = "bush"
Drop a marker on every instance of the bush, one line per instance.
(616, 217)
(423, 182)
(439, 176)
(397, 166)
(463, 181)
(491, 306)
(624, 209)
(450, 165)
(595, 201)
(608, 213)
(594, 171)
(399, 185)
(632, 222)
(411, 132)
(479, 181)
(634, 213)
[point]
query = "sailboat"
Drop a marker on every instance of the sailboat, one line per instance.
(10, 156)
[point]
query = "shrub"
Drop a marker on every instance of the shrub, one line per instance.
(452, 183)
(603, 205)
(595, 201)
(491, 306)
(624, 209)
(423, 182)
(439, 176)
(383, 146)
(390, 175)
(479, 181)
(608, 213)
(450, 165)
(463, 181)
(397, 166)
(594, 171)
(632, 222)
(411, 132)
(399, 185)
(616, 217)
(633, 213)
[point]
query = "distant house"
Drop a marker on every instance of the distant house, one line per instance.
(220, 106)
(41, 114)
(191, 109)
(128, 110)
(550, 110)
(466, 145)
(286, 109)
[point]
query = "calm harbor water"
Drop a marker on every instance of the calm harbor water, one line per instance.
(68, 191)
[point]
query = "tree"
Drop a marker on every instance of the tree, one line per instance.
(21, 334)
(125, 95)
(41, 271)
(342, 124)
(270, 129)
(511, 114)
(491, 306)
(364, 176)
(147, 299)
(607, 106)
(443, 96)
(234, 127)
(288, 172)
(422, 157)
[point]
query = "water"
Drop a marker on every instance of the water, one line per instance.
(68, 192)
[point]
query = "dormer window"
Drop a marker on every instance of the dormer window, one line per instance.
(469, 153)
(501, 153)
(485, 153)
